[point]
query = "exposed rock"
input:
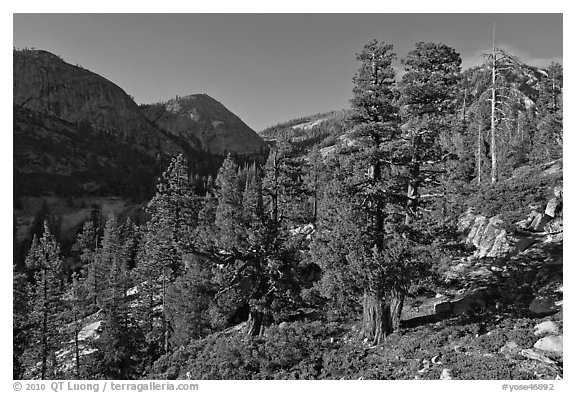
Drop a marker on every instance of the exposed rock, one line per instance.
(548, 300)
(552, 345)
(543, 306)
(546, 327)
(205, 124)
(486, 234)
(466, 220)
(539, 221)
(470, 301)
(552, 207)
(491, 239)
(510, 349)
(476, 231)
(552, 168)
(531, 354)
(555, 230)
(493, 242)
(446, 374)
(90, 331)
(464, 303)
(421, 307)
(443, 308)
(45, 83)
(527, 222)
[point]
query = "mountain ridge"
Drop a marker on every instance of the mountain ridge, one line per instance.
(206, 124)
(77, 132)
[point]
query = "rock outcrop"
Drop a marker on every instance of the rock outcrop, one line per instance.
(551, 345)
(491, 239)
(546, 327)
(487, 235)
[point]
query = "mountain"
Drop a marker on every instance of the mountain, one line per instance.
(54, 156)
(321, 130)
(79, 134)
(205, 124)
(45, 83)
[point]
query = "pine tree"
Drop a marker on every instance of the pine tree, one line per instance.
(255, 266)
(188, 303)
(121, 342)
(548, 140)
(86, 248)
(45, 308)
(499, 99)
(228, 215)
(74, 300)
(20, 327)
(167, 237)
(428, 98)
(375, 119)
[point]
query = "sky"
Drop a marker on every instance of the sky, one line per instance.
(268, 68)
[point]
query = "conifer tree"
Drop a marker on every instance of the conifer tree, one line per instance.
(375, 119)
(256, 266)
(548, 140)
(120, 345)
(86, 247)
(228, 215)
(39, 358)
(428, 99)
(20, 324)
(167, 236)
(75, 305)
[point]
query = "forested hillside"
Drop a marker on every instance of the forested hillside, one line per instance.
(415, 235)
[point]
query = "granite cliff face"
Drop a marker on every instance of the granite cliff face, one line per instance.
(45, 83)
(205, 124)
(77, 133)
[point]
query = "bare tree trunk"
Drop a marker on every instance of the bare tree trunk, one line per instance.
(257, 322)
(413, 180)
(376, 318)
(396, 305)
(493, 150)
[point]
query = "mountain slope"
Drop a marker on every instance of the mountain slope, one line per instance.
(45, 83)
(76, 133)
(205, 124)
(53, 156)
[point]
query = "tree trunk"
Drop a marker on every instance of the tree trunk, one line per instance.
(376, 318)
(76, 344)
(413, 180)
(257, 322)
(396, 305)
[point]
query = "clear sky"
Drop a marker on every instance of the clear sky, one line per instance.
(267, 68)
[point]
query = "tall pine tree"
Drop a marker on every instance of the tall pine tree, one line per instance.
(45, 304)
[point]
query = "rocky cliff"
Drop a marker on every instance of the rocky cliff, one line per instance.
(77, 133)
(205, 124)
(45, 83)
